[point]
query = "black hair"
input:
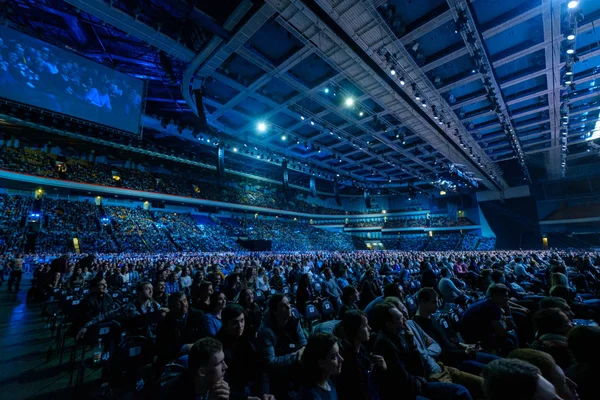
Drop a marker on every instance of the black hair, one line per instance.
(381, 315)
(548, 320)
(317, 348)
(231, 311)
(510, 379)
(426, 294)
(392, 290)
(351, 322)
(202, 351)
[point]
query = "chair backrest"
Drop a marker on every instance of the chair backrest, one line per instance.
(295, 313)
(327, 309)
(286, 290)
(259, 296)
(311, 313)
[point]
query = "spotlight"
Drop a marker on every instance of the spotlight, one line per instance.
(571, 36)
(424, 103)
(570, 51)
(283, 137)
(360, 114)
(568, 81)
(569, 72)
(326, 90)
(349, 102)
(417, 97)
(302, 118)
(330, 132)
(393, 72)
(572, 4)
(402, 81)
(312, 123)
(261, 126)
(235, 150)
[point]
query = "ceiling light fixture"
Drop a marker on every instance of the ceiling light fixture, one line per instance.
(283, 137)
(571, 36)
(402, 81)
(572, 4)
(261, 126)
(349, 102)
(393, 72)
(570, 50)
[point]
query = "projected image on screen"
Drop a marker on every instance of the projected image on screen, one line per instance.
(37, 73)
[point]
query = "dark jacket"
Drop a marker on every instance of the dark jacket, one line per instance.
(95, 305)
(277, 346)
(354, 382)
(405, 372)
(243, 369)
(172, 333)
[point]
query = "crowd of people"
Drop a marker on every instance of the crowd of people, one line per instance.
(46, 164)
(335, 324)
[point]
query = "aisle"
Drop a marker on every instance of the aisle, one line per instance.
(24, 343)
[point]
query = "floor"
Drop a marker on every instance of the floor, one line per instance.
(25, 372)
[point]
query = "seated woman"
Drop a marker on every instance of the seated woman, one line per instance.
(355, 379)
(321, 361)
(252, 310)
(212, 319)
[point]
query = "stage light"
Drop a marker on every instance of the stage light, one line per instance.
(393, 72)
(283, 137)
(312, 123)
(302, 118)
(571, 36)
(326, 90)
(360, 114)
(235, 149)
(570, 51)
(261, 126)
(572, 4)
(568, 81)
(417, 97)
(349, 102)
(568, 72)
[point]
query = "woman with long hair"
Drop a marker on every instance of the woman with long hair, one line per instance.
(355, 379)
(252, 310)
(212, 319)
(321, 361)
(201, 299)
(304, 292)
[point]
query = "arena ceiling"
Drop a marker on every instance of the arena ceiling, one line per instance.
(381, 92)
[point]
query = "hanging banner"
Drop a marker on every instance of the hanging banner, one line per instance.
(221, 161)
(285, 177)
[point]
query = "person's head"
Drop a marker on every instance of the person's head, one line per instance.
(349, 295)
(552, 320)
(206, 290)
(498, 293)
(327, 273)
(98, 285)
(233, 320)
(515, 380)
(445, 273)
(565, 388)
(161, 288)
(178, 304)
(78, 271)
(304, 281)
(559, 279)
(321, 358)
(427, 299)
(145, 291)
(207, 362)
(386, 317)
(561, 291)
(584, 343)
(279, 308)
(218, 300)
(356, 326)
(392, 290)
(557, 302)
(246, 298)
(497, 276)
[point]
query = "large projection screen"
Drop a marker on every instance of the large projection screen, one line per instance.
(39, 74)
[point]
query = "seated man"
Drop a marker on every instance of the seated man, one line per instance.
(178, 330)
(96, 306)
(584, 343)
(204, 377)
(489, 322)
(517, 380)
(243, 373)
(553, 326)
(280, 343)
(449, 291)
(405, 370)
(454, 352)
(565, 388)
